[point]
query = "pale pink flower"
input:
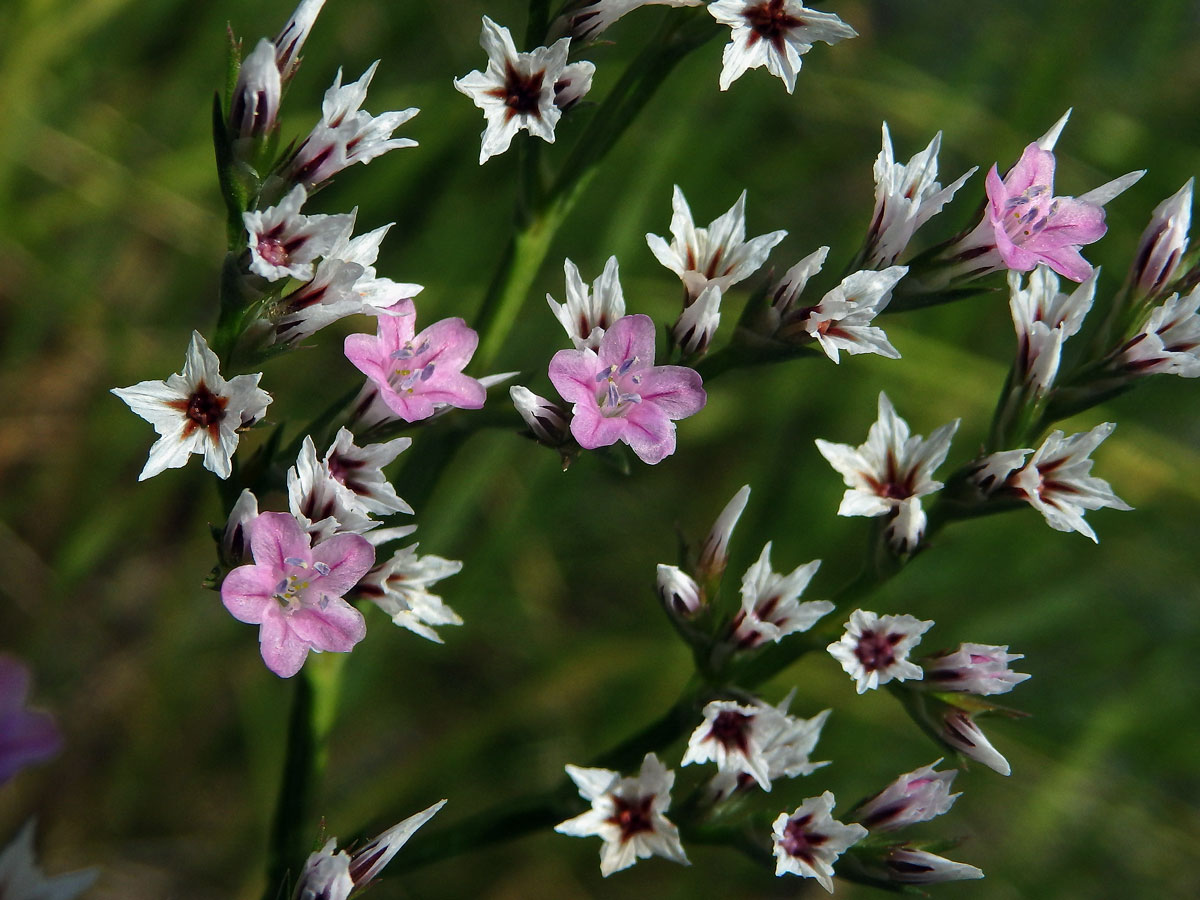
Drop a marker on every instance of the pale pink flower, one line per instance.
(913, 797)
(771, 607)
(517, 90)
(628, 814)
(809, 841)
(973, 669)
(294, 592)
(196, 411)
(874, 649)
(620, 395)
(890, 473)
(283, 243)
(718, 254)
(27, 736)
(773, 33)
(414, 373)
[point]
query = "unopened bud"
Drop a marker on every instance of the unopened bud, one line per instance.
(574, 82)
(678, 591)
(906, 866)
(1163, 243)
(714, 554)
(697, 324)
(960, 732)
(295, 32)
(913, 797)
(973, 669)
(255, 104)
(545, 419)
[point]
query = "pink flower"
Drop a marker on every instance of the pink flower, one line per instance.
(620, 395)
(413, 373)
(26, 736)
(294, 592)
(1033, 226)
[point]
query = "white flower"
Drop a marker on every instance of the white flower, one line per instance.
(694, 329)
(320, 503)
(771, 607)
(786, 293)
(807, 842)
(254, 105)
(973, 669)
(1169, 342)
(591, 19)
(331, 874)
(400, 587)
(874, 649)
(346, 134)
(960, 732)
(588, 314)
(196, 411)
(841, 321)
(283, 243)
(292, 36)
(907, 866)
(906, 197)
(22, 879)
(360, 470)
(890, 473)
(773, 33)
(516, 91)
(627, 814)
(1044, 318)
(718, 254)
(1163, 243)
(913, 797)
(1056, 482)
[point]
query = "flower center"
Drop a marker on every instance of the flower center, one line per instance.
(291, 588)
(1026, 214)
(407, 374)
(632, 816)
(618, 388)
(770, 21)
(522, 93)
(800, 843)
(876, 650)
(731, 729)
(273, 251)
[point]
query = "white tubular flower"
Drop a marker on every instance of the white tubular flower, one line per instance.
(694, 329)
(360, 471)
(906, 197)
(320, 502)
(718, 254)
(906, 866)
(283, 243)
(678, 590)
(517, 90)
(196, 411)
(588, 314)
(771, 607)
(21, 878)
(587, 21)
(254, 106)
(973, 669)
(573, 84)
(913, 797)
(346, 134)
(773, 33)
(841, 321)
(1163, 243)
(627, 814)
(874, 649)
(546, 420)
(1044, 318)
(291, 38)
(714, 553)
(960, 733)
(1057, 484)
(890, 473)
(809, 841)
(786, 294)
(400, 587)
(1169, 342)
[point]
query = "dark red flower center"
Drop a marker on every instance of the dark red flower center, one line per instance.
(770, 22)
(632, 816)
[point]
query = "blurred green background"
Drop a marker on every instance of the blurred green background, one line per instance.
(110, 240)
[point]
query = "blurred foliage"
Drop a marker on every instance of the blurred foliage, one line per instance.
(110, 243)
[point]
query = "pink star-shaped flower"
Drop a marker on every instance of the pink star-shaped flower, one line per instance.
(620, 395)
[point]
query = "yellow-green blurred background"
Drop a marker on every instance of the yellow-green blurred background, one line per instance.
(111, 235)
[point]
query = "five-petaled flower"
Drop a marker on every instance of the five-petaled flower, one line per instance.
(294, 591)
(627, 814)
(283, 243)
(517, 90)
(773, 33)
(874, 649)
(196, 411)
(620, 395)
(890, 473)
(414, 373)
(807, 842)
(771, 607)
(400, 587)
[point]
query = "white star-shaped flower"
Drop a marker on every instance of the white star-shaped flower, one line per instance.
(718, 254)
(588, 314)
(400, 587)
(771, 607)
(890, 473)
(773, 33)
(320, 503)
(874, 649)
(283, 243)
(809, 841)
(627, 814)
(517, 90)
(196, 411)
(906, 197)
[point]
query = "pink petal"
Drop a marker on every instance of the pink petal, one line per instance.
(1067, 262)
(453, 343)
(248, 592)
(454, 388)
(282, 651)
(649, 433)
(629, 336)
(277, 537)
(573, 374)
(409, 407)
(396, 329)
(593, 430)
(348, 556)
(1036, 166)
(336, 628)
(676, 390)
(366, 353)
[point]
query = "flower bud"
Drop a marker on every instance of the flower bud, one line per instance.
(714, 555)
(574, 82)
(907, 866)
(295, 32)
(973, 669)
(697, 324)
(235, 544)
(1163, 243)
(914, 797)
(960, 732)
(255, 103)
(545, 419)
(678, 591)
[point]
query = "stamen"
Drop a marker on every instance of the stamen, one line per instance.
(613, 397)
(427, 372)
(322, 568)
(605, 373)
(296, 561)
(627, 365)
